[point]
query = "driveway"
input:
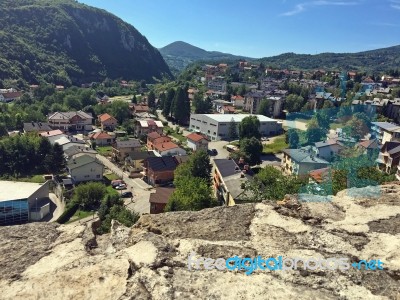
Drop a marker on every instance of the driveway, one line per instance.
(184, 130)
(140, 190)
(219, 146)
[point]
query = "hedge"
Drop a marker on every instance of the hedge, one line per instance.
(68, 213)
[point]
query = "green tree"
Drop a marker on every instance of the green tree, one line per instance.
(191, 193)
(58, 160)
(232, 130)
(293, 138)
(294, 103)
(3, 130)
(166, 110)
(265, 108)
(181, 108)
(252, 147)
(134, 100)
(314, 132)
(249, 127)
(151, 100)
(198, 165)
(89, 194)
(120, 110)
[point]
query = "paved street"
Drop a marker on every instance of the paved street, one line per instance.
(137, 186)
(161, 117)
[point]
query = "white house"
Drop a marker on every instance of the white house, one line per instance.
(85, 168)
(169, 149)
(197, 141)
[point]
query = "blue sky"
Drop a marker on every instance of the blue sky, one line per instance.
(259, 28)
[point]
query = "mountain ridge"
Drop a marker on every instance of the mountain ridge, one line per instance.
(67, 42)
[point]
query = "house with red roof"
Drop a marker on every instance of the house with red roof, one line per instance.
(197, 141)
(101, 138)
(107, 122)
(154, 138)
(168, 149)
(10, 96)
(144, 127)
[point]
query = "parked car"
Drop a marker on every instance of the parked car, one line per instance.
(117, 182)
(126, 195)
(121, 187)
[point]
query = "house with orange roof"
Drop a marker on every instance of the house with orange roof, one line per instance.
(101, 138)
(227, 109)
(154, 138)
(197, 141)
(51, 133)
(320, 175)
(238, 101)
(107, 122)
(168, 149)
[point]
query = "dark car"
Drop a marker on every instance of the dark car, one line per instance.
(126, 195)
(213, 152)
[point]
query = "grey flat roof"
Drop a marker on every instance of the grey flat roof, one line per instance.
(13, 190)
(235, 117)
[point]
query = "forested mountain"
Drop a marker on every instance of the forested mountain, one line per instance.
(179, 55)
(64, 42)
(373, 60)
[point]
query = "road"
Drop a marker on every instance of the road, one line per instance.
(294, 124)
(137, 186)
(163, 119)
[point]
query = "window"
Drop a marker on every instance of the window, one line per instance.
(222, 124)
(97, 176)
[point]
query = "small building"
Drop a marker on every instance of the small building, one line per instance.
(134, 161)
(10, 96)
(37, 127)
(101, 138)
(144, 127)
(385, 131)
(229, 181)
(328, 149)
(140, 108)
(389, 157)
(85, 168)
(78, 150)
(159, 170)
(197, 141)
(159, 199)
(154, 138)
(168, 149)
(300, 162)
(227, 109)
(52, 133)
(22, 202)
(122, 148)
(107, 122)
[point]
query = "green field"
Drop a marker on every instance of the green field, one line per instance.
(276, 146)
(80, 214)
(104, 150)
(34, 179)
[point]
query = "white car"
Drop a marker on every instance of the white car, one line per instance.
(121, 187)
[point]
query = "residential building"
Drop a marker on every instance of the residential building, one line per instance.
(21, 202)
(159, 199)
(144, 127)
(227, 109)
(385, 131)
(75, 151)
(216, 126)
(300, 162)
(85, 168)
(389, 157)
(107, 122)
(134, 161)
(159, 170)
(217, 84)
(10, 96)
(139, 108)
(66, 141)
(229, 181)
(71, 121)
(168, 149)
(369, 146)
(328, 149)
(238, 101)
(122, 148)
(101, 139)
(197, 141)
(319, 176)
(38, 127)
(154, 138)
(52, 133)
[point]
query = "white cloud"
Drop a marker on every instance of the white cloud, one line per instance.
(303, 6)
(395, 4)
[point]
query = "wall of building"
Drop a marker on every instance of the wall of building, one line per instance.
(89, 172)
(41, 193)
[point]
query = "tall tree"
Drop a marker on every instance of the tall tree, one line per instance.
(134, 100)
(166, 110)
(58, 160)
(232, 130)
(314, 132)
(151, 99)
(120, 110)
(252, 147)
(294, 103)
(181, 108)
(293, 138)
(265, 108)
(249, 127)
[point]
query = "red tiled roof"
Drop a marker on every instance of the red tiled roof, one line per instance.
(196, 137)
(319, 175)
(105, 117)
(165, 146)
(153, 135)
(161, 195)
(228, 108)
(100, 135)
(161, 139)
(12, 95)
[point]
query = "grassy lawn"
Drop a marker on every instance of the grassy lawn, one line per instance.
(111, 176)
(335, 126)
(104, 150)
(122, 98)
(179, 136)
(34, 179)
(80, 214)
(276, 146)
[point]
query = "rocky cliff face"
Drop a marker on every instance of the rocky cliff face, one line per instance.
(149, 261)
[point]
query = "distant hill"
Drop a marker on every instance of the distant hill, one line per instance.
(370, 61)
(63, 42)
(179, 55)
